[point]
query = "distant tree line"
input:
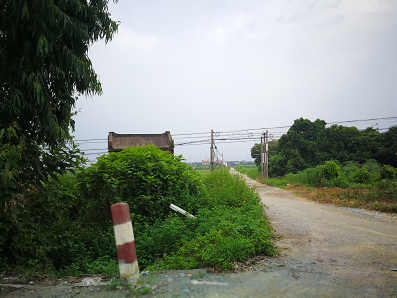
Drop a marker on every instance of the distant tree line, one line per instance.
(308, 144)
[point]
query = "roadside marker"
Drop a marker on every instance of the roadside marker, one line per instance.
(126, 253)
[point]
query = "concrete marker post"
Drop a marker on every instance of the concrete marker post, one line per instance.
(126, 253)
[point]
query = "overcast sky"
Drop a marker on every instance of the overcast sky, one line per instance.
(228, 65)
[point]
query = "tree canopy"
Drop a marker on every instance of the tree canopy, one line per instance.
(44, 66)
(308, 144)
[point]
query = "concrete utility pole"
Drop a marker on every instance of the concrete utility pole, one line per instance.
(267, 157)
(262, 158)
(212, 150)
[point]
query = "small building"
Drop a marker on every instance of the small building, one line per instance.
(118, 142)
(205, 162)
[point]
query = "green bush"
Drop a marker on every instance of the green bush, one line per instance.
(330, 170)
(309, 177)
(146, 178)
(349, 169)
(387, 172)
(362, 175)
(230, 224)
(230, 227)
(338, 182)
(225, 235)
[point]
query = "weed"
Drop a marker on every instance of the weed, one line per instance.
(275, 182)
(251, 172)
(198, 275)
(116, 283)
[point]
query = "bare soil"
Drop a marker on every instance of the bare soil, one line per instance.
(325, 251)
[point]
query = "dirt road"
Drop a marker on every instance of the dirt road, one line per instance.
(354, 253)
(326, 252)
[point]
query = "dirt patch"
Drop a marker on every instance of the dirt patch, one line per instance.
(351, 198)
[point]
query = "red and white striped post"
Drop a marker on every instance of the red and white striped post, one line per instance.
(126, 253)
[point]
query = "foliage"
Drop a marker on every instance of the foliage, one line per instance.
(43, 47)
(330, 170)
(308, 144)
(256, 151)
(146, 178)
(253, 173)
(362, 175)
(230, 224)
(387, 172)
(43, 64)
(303, 145)
(231, 227)
(357, 185)
(275, 182)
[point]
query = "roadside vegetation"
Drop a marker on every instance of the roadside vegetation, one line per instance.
(337, 164)
(249, 170)
(370, 185)
(230, 224)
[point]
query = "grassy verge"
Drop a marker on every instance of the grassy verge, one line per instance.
(381, 196)
(353, 197)
(230, 227)
(251, 172)
(369, 185)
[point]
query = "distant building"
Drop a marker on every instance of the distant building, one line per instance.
(118, 142)
(219, 161)
(205, 162)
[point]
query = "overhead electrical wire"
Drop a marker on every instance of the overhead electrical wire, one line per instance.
(240, 136)
(255, 129)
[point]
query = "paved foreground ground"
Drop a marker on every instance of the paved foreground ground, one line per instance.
(325, 252)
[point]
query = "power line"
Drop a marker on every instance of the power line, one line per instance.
(255, 129)
(90, 140)
(94, 149)
(363, 120)
(95, 153)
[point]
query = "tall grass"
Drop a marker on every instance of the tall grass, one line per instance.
(357, 185)
(251, 171)
(230, 227)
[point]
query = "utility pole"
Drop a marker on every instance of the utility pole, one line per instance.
(262, 158)
(267, 157)
(212, 150)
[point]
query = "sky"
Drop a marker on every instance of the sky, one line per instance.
(239, 68)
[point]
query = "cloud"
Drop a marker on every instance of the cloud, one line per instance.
(242, 20)
(129, 39)
(218, 33)
(331, 23)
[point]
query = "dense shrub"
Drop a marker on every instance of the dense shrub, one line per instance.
(362, 175)
(349, 169)
(230, 224)
(330, 170)
(230, 227)
(146, 178)
(387, 172)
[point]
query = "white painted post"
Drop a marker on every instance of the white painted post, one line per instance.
(126, 253)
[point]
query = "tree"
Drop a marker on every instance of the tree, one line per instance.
(44, 65)
(303, 145)
(256, 151)
(388, 150)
